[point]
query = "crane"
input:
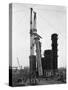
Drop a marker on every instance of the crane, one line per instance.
(35, 40)
(20, 67)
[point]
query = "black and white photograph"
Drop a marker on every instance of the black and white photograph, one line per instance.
(37, 44)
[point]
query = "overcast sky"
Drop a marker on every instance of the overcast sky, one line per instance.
(50, 19)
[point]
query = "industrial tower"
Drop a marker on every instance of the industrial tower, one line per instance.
(54, 39)
(34, 42)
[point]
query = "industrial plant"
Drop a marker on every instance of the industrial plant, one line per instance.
(40, 66)
(42, 70)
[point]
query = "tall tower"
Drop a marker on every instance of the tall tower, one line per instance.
(54, 39)
(31, 34)
(35, 41)
(32, 57)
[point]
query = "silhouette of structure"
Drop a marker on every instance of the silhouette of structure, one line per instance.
(47, 61)
(54, 39)
(50, 59)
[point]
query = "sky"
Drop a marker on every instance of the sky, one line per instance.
(50, 19)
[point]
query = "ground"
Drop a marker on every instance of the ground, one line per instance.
(21, 78)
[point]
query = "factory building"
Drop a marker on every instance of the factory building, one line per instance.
(49, 61)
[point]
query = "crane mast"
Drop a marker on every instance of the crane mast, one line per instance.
(35, 41)
(31, 35)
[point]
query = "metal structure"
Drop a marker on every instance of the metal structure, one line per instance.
(20, 67)
(35, 41)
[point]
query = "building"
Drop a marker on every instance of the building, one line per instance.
(47, 61)
(50, 59)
